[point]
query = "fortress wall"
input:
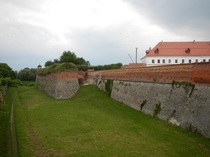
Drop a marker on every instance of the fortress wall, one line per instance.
(201, 73)
(62, 85)
(177, 105)
(182, 105)
(198, 73)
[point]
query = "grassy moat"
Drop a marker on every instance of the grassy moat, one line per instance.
(92, 124)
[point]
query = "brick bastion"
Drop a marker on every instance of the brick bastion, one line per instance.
(61, 85)
(178, 94)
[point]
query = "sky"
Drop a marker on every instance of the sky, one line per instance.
(101, 31)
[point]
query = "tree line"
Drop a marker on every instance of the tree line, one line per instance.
(68, 57)
(29, 74)
(8, 77)
(81, 63)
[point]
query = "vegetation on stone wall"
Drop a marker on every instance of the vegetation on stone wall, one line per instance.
(157, 109)
(185, 85)
(143, 103)
(154, 80)
(70, 67)
(100, 67)
(108, 86)
(107, 67)
(171, 115)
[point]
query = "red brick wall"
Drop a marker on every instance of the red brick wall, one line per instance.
(201, 73)
(62, 75)
(195, 73)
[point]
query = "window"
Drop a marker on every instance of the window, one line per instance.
(176, 61)
(157, 51)
(187, 50)
(189, 60)
(196, 60)
(204, 60)
(169, 61)
(153, 61)
(158, 61)
(163, 60)
(182, 60)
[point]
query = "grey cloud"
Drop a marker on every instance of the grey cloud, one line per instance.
(18, 32)
(22, 43)
(188, 18)
(23, 33)
(110, 44)
(22, 5)
(99, 46)
(24, 36)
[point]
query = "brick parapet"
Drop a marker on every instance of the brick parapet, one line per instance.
(195, 73)
(201, 73)
(61, 75)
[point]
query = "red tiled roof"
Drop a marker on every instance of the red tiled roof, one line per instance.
(193, 48)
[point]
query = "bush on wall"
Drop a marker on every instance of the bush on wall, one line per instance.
(70, 67)
(108, 86)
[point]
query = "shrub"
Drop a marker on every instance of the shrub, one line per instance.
(108, 86)
(143, 103)
(157, 109)
(70, 67)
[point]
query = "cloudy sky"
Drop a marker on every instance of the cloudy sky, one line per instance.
(101, 31)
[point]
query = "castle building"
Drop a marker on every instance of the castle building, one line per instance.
(165, 53)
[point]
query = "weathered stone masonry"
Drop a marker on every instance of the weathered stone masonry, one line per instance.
(177, 106)
(60, 85)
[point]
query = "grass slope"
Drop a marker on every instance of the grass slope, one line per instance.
(92, 124)
(5, 137)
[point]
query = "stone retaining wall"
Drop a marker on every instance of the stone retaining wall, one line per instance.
(59, 86)
(177, 105)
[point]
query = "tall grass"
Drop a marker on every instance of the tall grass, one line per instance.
(92, 124)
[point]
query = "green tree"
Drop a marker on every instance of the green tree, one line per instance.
(80, 61)
(56, 61)
(48, 63)
(88, 63)
(27, 74)
(68, 56)
(6, 71)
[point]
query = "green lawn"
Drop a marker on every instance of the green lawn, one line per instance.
(92, 124)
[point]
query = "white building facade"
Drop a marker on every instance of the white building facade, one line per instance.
(165, 53)
(165, 60)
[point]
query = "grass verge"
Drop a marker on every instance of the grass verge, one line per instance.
(92, 124)
(5, 136)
